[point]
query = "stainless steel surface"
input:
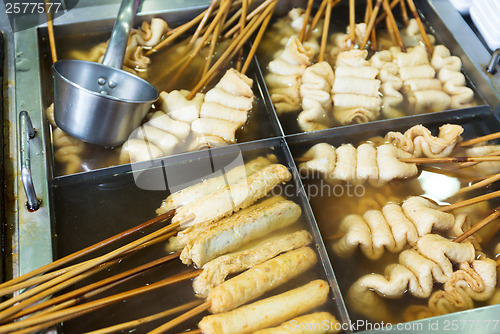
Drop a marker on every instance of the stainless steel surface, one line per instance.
(119, 37)
(135, 188)
(101, 103)
(26, 133)
(99, 114)
(493, 64)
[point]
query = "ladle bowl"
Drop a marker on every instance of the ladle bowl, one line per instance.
(100, 103)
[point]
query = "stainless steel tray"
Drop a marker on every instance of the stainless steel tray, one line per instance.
(346, 269)
(83, 205)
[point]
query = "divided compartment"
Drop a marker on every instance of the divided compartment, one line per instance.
(433, 25)
(92, 206)
(261, 123)
(330, 208)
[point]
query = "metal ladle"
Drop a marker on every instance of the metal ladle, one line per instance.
(100, 103)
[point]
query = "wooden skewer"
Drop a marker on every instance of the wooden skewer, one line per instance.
(50, 30)
(306, 20)
(91, 306)
(231, 50)
(37, 297)
(390, 30)
(470, 201)
(225, 4)
(368, 10)
(138, 322)
(404, 12)
(421, 27)
(383, 15)
(46, 277)
(334, 236)
(449, 160)
(498, 262)
(174, 322)
(37, 328)
(316, 19)
(480, 184)
(487, 239)
(215, 37)
(86, 251)
(392, 20)
(326, 27)
(371, 24)
(200, 27)
(53, 285)
(256, 42)
(250, 16)
(481, 139)
(235, 16)
(242, 27)
(75, 293)
(177, 32)
(352, 22)
(478, 226)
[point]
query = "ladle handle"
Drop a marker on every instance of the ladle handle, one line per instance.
(493, 64)
(119, 37)
(26, 133)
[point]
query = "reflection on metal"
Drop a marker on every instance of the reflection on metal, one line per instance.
(26, 133)
(495, 58)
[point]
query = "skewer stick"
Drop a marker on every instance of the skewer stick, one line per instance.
(383, 15)
(86, 251)
(368, 10)
(91, 306)
(470, 201)
(316, 19)
(478, 226)
(174, 322)
(449, 159)
(334, 236)
(352, 22)
(249, 17)
(242, 27)
(371, 24)
(480, 184)
(481, 139)
(390, 30)
(306, 20)
(215, 37)
(83, 297)
(46, 277)
(50, 30)
(392, 21)
(231, 50)
(235, 16)
(55, 283)
(324, 35)
(37, 328)
(138, 322)
(487, 239)
(421, 27)
(78, 292)
(200, 27)
(225, 4)
(256, 43)
(404, 12)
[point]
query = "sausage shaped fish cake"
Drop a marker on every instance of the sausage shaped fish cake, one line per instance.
(277, 309)
(232, 198)
(259, 279)
(216, 271)
(235, 234)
